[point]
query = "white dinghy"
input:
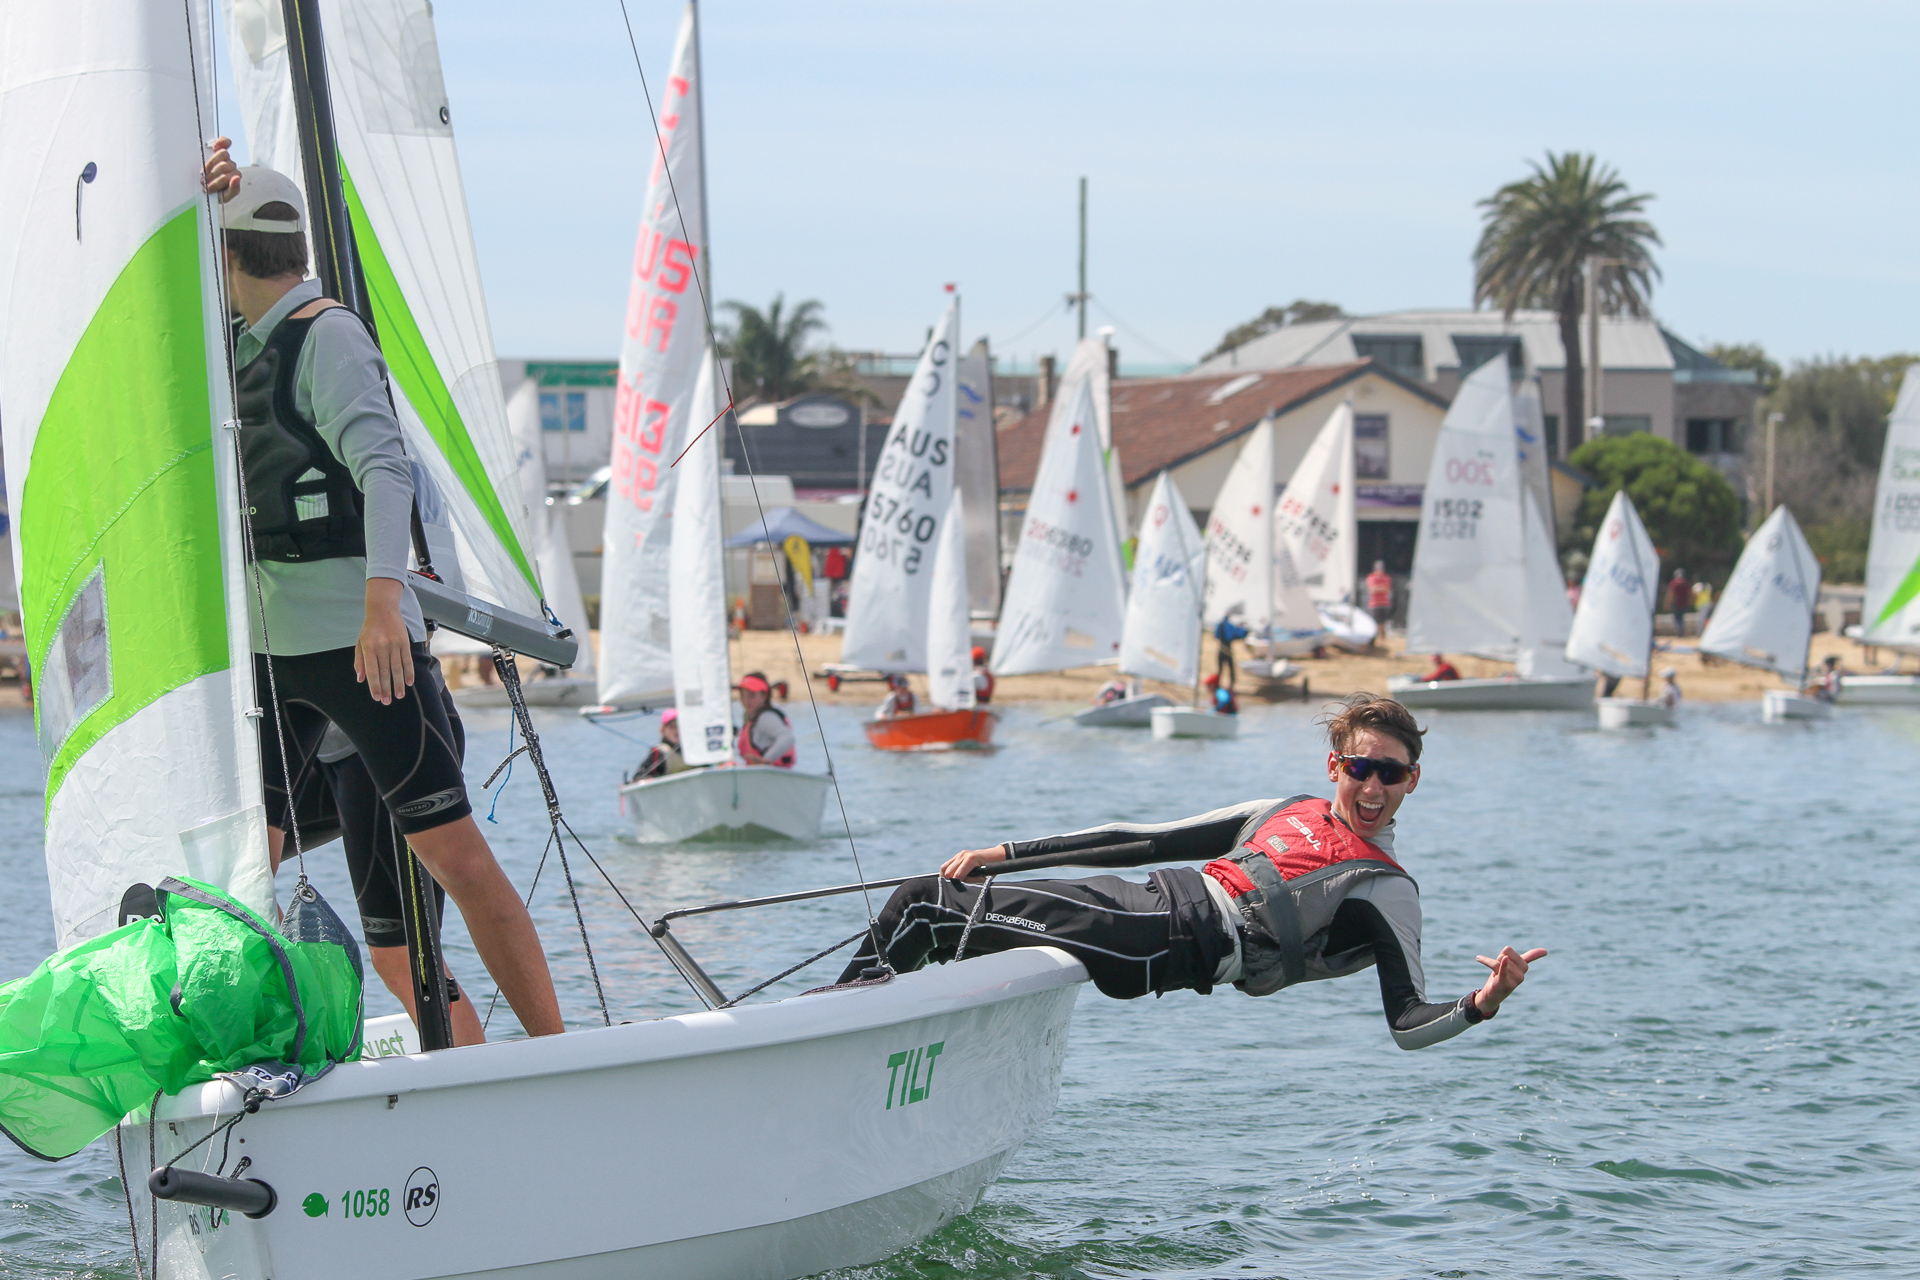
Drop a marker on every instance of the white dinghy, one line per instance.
(772, 1141)
(1193, 722)
(1764, 618)
(1485, 577)
(1613, 627)
(1160, 639)
(1879, 691)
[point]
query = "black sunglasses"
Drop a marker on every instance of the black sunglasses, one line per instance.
(1390, 772)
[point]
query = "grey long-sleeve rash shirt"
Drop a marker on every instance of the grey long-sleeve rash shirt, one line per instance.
(340, 382)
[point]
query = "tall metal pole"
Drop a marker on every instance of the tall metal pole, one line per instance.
(1594, 417)
(338, 265)
(1082, 295)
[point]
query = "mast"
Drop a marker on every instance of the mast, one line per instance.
(1081, 297)
(338, 265)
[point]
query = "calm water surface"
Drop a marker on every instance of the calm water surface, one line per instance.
(1714, 1074)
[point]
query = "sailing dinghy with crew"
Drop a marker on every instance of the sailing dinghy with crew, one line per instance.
(1248, 579)
(888, 1107)
(1892, 608)
(1160, 639)
(1485, 576)
(1764, 617)
(1613, 627)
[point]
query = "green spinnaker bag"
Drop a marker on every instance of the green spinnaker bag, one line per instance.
(209, 987)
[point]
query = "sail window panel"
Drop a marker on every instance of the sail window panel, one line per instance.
(77, 676)
(1371, 458)
(1403, 354)
(395, 61)
(1476, 351)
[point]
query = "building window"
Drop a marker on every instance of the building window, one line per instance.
(1550, 424)
(563, 411)
(1626, 424)
(1370, 457)
(1400, 353)
(1474, 352)
(1713, 435)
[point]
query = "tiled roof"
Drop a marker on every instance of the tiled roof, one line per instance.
(1161, 422)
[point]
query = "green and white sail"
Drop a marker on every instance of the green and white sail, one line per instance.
(1892, 612)
(113, 392)
(409, 215)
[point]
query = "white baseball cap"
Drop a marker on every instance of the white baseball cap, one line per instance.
(259, 186)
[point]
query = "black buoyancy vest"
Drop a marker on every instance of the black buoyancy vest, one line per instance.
(302, 501)
(1285, 915)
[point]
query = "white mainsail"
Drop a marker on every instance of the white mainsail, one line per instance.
(408, 208)
(1240, 572)
(1548, 618)
(1066, 596)
(122, 487)
(1764, 618)
(1530, 435)
(1892, 610)
(1161, 638)
(911, 493)
(1315, 524)
(1613, 627)
(1092, 364)
(949, 624)
(552, 549)
(976, 473)
(662, 350)
(702, 675)
(1469, 590)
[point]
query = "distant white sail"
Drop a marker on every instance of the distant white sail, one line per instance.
(977, 474)
(663, 347)
(702, 676)
(1530, 437)
(552, 549)
(1892, 611)
(1161, 639)
(1764, 618)
(1066, 597)
(1314, 520)
(1469, 588)
(1613, 627)
(906, 505)
(1548, 619)
(1240, 537)
(121, 484)
(949, 625)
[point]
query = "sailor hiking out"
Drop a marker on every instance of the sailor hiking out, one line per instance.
(337, 634)
(1291, 891)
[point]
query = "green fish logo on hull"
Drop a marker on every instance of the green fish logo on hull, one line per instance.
(315, 1205)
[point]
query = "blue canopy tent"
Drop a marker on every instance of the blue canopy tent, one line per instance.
(782, 523)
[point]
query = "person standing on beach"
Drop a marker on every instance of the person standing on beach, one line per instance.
(1380, 596)
(337, 635)
(1292, 891)
(1679, 600)
(1225, 632)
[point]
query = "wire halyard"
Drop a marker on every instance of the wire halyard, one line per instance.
(726, 381)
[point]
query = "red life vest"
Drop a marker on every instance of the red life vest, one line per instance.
(745, 744)
(1379, 591)
(1297, 863)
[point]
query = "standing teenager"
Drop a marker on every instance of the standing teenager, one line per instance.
(330, 499)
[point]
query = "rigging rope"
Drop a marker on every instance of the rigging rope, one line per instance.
(713, 344)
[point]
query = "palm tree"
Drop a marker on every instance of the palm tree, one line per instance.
(1533, 252)
(770, 359)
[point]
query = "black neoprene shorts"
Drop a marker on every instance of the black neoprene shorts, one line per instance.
(408, 746)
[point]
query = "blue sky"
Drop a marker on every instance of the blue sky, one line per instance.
(1239, 155)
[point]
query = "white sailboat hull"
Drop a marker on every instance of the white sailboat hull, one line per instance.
(744, 802)
(1127, 713)
(1193, 722)
(1782, 704)
(758, 1143)
(1572, 693)
(1349, 626)
(559, 691)
(1624, 713)
(1879, 691)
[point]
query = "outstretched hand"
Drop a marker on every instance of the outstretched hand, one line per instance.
(967, 861)
(1509, 971)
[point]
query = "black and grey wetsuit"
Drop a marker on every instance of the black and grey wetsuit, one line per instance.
(1179, 930)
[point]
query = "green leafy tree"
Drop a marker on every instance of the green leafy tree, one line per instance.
(1749, 355)
(1299, 311)
(1690, 510)
(769, 348)
(1537, 236)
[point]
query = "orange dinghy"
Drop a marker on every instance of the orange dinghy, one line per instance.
(933, 731)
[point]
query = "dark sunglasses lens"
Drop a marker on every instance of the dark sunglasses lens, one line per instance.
(1392, 772)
